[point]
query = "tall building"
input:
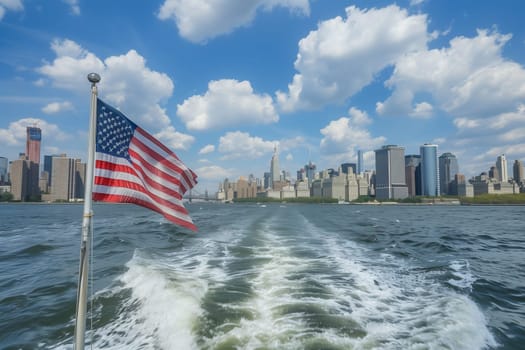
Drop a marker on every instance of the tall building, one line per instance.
(275, 174)
(448, 168)
(3, 170)
(517, 170)
(360, 165)
(310, 169)
(413, 174)
(429, 170)
(24, 179)
(346, 166)
(34, 136)
(501, 165)
(390, 173)
(63, 178)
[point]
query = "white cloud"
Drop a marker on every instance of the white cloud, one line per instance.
(213, 172)
(126, 82)
(344, 54)
(200, 20)
(174, 139)
(227, 102)
(240, 145)
(57, 107)
(469, 78)
(16, 134)
(10, 5)
(75, 8)
(416, 2)
(207, 149)
(344, 136)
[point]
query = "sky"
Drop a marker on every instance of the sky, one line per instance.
(224, 82)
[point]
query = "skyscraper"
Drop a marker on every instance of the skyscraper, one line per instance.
(501, 164)
(360, 164)
(390, 173)
(429, 170)
(3, 169)
(413, 174)
(518, 171)
(448, 168)
(310, 172)
(34, 136)
(275, 174)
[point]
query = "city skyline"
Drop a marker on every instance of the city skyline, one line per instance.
(321, 80)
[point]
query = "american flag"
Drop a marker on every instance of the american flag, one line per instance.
(131, 166)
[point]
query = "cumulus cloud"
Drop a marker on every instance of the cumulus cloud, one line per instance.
(227, 102)
(344, 54)
(344, 136)
(200, 20)
(57, 107)
(213, 172)
(207, 149)
(241, 145)
(174, 139)
(469, 78)
(127, 82)
(10, 5)
(16, 134)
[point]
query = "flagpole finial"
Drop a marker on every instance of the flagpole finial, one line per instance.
(93, 78)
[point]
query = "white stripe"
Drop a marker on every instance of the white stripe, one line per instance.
(110, 190)
(138, 179)
(177, 162)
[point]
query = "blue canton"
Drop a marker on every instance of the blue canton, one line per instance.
(114, 131)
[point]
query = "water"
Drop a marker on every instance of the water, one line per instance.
(274, 277)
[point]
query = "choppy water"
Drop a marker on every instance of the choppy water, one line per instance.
(274, 277)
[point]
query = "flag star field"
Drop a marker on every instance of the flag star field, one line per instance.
(224, 82)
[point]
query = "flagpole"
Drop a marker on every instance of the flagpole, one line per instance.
(80, 325)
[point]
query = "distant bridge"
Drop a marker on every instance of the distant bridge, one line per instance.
(196, 195)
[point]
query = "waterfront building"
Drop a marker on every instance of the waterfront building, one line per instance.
(80, 179)
(302, 189)
(63, 179)
(390, 173)
(461, 187)
(24, 179)
(517, 172)
(310, 169)
(360, 164)
(448, 168)
(346, 166)
(413, 174)
(429, 170)
(33, 139)
(501, 165)
(245, 188)
(3, 170)
(275, 173)
(494, 173)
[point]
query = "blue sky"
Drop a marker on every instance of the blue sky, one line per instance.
(222, 82)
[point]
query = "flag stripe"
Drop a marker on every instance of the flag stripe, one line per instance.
(133, 167)
(117, 198)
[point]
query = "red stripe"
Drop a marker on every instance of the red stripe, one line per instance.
(173, 166)
(145, 178)
(125, 199)
(110, 182)
(152, 169)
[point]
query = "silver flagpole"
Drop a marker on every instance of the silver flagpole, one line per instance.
(80, 325)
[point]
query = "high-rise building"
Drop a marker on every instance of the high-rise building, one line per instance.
(346, 166)
(34, 136)
(63, 181)
(24, 179)
(501, 164)
(310, 169)
(448, 168)
(3, 170)
(413, 174)
(275, 174)
(517, 170)
(360, 165)
(429, 170)
(390, 173)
